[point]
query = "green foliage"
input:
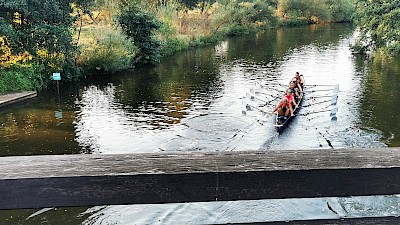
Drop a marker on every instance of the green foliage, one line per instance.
(235, 17)
(312, 10)
(172, 45)
(293, 19)
(111, 51)
(35, 25)
(22, 77)
(167, 16)
(379, 24)
(315, 11)
(140, 26)
(204, 40)
(41, 30)
(341, 10)
(196, 3)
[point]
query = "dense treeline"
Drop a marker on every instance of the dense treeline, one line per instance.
(36, 37)
(81, 37)
(379, 25)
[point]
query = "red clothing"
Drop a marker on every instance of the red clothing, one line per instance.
(290, 98)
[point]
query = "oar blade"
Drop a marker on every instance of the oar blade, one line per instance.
(334, 111)
(248, 95)
(334, 99)
(336, 88)
(248, 107)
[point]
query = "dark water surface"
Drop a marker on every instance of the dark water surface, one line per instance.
(194, 100)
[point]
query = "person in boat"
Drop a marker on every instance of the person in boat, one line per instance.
(299, 78)
(289, 96)
(284, 108)
(298, 81)
(295, 91)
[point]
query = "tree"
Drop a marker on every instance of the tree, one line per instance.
(36, 25)
(341, 10)
(41, 29)
(313, 11)
(140, 26)
(379, 24)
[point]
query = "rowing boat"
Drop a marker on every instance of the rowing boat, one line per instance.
(282, 122)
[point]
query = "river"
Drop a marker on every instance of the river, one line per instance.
(195, 101)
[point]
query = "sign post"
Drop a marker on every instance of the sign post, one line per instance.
(57, 77)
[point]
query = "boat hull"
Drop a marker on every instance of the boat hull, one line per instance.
(281, 124)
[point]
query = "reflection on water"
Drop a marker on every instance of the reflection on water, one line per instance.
(213, 212)
(195, 103)
(380, 97)
(195, 100)
(247, 211)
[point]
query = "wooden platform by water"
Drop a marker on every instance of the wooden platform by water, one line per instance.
(9, 99)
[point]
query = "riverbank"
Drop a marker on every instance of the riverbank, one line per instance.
(10, 99)
(107, 43)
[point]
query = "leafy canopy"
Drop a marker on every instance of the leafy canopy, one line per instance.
(379, 23)
(140, 26)
(41, 29)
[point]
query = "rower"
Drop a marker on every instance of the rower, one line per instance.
(289, 96)
(298, 81)
(283, 108)
(295, 91)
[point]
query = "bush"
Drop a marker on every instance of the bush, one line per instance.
(172, 45)
(141, 26)
(237, 17)
(23, 78)
(341, 10)
(314, 11)
(106, 49)
(292, 22)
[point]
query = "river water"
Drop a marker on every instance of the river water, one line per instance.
(196, 101)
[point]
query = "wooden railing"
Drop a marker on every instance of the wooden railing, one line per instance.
(89, 180)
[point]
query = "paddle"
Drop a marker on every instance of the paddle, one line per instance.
(335, 88)
(269, 85)
(322, 85)
(313, 91)
(316, 103)
(249, 107)
(333, 99)
(252, 91)
(252, 97)
(333, 112)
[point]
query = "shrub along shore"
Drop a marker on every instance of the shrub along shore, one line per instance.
(82, 38)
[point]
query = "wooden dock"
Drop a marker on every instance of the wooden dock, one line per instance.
(9, 99)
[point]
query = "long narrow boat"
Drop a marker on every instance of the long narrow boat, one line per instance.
(282, 122)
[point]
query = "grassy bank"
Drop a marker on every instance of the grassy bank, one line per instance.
(105, 47)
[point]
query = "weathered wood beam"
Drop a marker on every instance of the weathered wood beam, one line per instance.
(86, 180)
(9, 99)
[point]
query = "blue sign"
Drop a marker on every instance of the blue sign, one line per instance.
(56, 76)
(58, 114)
